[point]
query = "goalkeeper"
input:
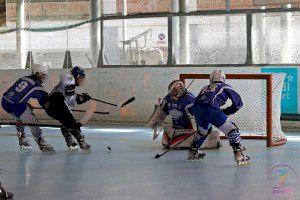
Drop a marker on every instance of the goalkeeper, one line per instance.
(177, 104)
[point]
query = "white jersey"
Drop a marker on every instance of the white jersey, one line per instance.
(66, 86)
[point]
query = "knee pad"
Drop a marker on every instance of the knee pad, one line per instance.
(228, 127)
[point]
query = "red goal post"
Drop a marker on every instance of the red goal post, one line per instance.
(264, 89)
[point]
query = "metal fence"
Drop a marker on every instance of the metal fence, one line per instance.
(152, 33)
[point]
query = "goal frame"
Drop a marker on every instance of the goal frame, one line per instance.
(269, 103)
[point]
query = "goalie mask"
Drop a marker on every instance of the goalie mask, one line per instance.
(39, 72)
(176, 89)
(217, 76)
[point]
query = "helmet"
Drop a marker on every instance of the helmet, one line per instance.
(217, 76)
(39, 72)
(77, 71)
(176, 89)
(38, 68)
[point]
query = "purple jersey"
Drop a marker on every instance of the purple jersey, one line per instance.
(16, 97)
(179, 109)
(217, 94)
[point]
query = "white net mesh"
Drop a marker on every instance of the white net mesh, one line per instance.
(252, 118)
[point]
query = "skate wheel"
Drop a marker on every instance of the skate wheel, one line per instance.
(25, 148)
(87, 150)
(244, 163)
(71, 148)
(195, 160)
(49, 151)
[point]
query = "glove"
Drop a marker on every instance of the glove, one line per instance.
(82, 98)
(226, 111)
(230, 110)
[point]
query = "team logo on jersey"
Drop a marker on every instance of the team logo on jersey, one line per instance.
(176, 114)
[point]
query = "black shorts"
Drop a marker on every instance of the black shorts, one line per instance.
(59, 110)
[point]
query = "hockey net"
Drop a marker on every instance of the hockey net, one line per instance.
(259, 118)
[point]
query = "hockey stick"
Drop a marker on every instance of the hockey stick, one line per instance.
(105, 102)
(30, 124)
(96, 112)
(174, 146)
(189, 84)
(122, 105)
(127, 102)
(75, 110)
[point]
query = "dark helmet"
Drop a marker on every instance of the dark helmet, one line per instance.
(77, 71)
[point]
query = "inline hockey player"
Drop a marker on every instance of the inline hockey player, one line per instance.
(177, 104)
(207, 112)
(61, 97)
(15, 102)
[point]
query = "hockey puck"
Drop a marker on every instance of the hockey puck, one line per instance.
(109, 148)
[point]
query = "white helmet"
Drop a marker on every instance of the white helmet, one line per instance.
(38, 68)
(217, 76)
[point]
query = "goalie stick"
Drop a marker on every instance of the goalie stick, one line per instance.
(174, 146)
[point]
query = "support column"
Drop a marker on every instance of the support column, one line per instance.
(184, 57)
(124, 30)
(227, 24)
(95, 34)
(260, 47)
(21, 47)
(286, 35)
(175, 33)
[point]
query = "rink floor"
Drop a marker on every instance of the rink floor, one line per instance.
(130, 172)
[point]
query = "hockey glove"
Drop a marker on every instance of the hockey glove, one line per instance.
(82, 98)
(226, 111)
(230, 110)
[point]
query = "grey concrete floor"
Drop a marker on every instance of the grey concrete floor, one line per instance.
(130, 171)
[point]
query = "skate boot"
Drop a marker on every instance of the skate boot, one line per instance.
(240, 157)
(72, 145)
(195, 154)
(24, 143)
(44, 147)
(5, 195)
(83, 145)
